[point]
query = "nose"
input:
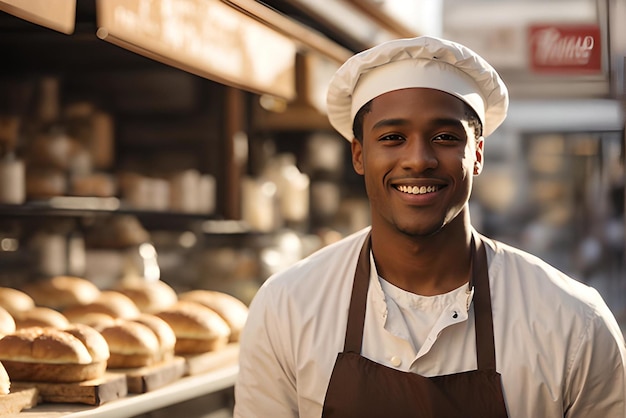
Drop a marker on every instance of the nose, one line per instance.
(418, 155)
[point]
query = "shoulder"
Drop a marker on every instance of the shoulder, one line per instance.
(527, 282)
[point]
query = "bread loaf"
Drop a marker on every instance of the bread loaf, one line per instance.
(131, 344)
(50, 355)
(61, 292)
(14, 300)
(149, 296)
(198, 329)
(40, 316)
(231, 309)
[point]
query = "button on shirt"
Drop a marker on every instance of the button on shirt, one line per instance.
(558, 347)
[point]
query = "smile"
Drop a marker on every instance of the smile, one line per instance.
(417, 189)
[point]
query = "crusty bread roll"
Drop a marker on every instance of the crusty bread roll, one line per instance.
(48, 354)
(60, 292)
(5, 382)
(149, 296)
(109, 302)
(7, 323)
(231, 309)
(40, 316)
(198, 329)
(131, 344)
(164, 333)
(14, 300)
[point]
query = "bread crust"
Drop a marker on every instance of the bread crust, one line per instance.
(131, 344)
(150, 297)
(15, 301)
(187, 346)
(50, 372)
(60, 292)
(231, 309)
(48, 354)
(40, 316)
(43, 345)
(197, 328)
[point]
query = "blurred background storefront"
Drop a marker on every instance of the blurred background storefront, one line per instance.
(187, 141)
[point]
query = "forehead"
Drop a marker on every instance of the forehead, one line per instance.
(422, 101)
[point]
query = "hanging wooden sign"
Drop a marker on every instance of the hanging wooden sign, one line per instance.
(206, 37)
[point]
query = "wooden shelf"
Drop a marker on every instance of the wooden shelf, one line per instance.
(131, 405)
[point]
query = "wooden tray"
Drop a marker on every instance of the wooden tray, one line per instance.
(146, 379)
(17, 400)
(92, 392)
(205, 362)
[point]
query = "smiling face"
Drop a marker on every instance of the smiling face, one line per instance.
(418, 155)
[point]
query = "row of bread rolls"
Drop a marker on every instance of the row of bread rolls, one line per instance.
(141, 323)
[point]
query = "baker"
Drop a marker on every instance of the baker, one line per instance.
(419, 314)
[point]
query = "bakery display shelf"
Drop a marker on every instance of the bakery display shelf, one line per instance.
(73, 206)
(186, 388)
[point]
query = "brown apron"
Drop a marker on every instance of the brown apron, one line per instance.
(362, 388)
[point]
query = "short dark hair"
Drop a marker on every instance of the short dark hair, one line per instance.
(357, 125)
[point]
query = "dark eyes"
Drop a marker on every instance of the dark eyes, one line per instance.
(440, 138)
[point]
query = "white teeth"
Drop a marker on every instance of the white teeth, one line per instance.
(417, 189)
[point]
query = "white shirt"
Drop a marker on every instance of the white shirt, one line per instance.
(558, 347)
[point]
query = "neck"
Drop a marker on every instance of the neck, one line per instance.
(426, 266)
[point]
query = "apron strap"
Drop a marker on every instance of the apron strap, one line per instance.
(358, 300)
(483, 319)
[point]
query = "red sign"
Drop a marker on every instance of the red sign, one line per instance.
(565, 49)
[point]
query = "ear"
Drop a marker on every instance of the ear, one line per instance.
(478, 164)
(357, 155)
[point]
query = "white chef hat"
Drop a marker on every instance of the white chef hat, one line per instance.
(426, 62)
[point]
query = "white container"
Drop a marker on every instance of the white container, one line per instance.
(258, 201)
(12, 181)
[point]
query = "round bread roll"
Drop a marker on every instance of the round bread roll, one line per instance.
(40, 316)
(131, 344)
(15, 301)
(163, 332)
(7, 323)
(93, 341)
(49, 355)
(198, 329)
(60, 292)
(231, 309)
(5, 382)
(109, 302)
(149, 296)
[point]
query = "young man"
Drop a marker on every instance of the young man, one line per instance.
(419, 315)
